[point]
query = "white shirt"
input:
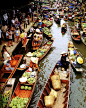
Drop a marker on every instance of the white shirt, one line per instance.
(6, 56)
(31, 29)
(5, 17)
(10, 35)
(13, 21)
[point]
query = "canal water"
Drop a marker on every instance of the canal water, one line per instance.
(46, 65)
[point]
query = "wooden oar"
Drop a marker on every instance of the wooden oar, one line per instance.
(71, 71)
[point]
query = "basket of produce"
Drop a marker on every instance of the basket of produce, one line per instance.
(31, 80)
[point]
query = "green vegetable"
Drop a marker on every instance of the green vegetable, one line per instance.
(22, 87)
(29, 88)
(26, 87)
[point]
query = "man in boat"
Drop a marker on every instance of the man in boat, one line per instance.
(33, 63)
(64, 63)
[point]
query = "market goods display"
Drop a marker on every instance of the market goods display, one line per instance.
(47, 31)
(18, 102)
(25, 87)
(40, 51)
(53, 93)
(47, 22)
(56, 83)
(49, 101)
(4, 98)
(74, 57)
(36, 24)
(27, 78)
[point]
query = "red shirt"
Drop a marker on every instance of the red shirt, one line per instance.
(43, 25)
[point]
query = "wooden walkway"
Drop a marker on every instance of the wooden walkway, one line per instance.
(15, 44)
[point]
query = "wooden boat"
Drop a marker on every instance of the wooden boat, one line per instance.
(75, 35)
(83, 38)
(72, 57)
(27, 94)
(7, 92)
(57, 19)
(35, 43)
(62, 99)
(48, 48)
(64, 28)
(6, 74)
(65, 18)
(44, 49)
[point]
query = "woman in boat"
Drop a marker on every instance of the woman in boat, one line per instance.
(33, 64)
(64, 63)
(3, 49)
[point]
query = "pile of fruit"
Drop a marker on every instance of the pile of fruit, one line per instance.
(26, 74)
(48, 23)
(31, 80)
(4, 98)
(36, 24)
(25, 88)
(18, 102)
(47, 31)
(39, 52)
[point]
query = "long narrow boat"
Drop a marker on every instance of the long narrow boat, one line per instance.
(35, 43)
(65, 18)
(6, 74)
(63, 28)
(23, 92)
(62, 98)
(43, 50)
(83, 38)
(57, 19)
(75, 36)
(7, 93)
(72, 54)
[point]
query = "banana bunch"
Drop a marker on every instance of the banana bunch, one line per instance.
(7, 93)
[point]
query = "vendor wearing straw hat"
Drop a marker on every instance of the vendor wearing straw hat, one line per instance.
(79, 61)
(33, 63)
(63, 60)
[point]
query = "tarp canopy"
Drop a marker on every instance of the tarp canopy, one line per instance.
(70, 6)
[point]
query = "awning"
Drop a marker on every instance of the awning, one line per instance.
(70, 6)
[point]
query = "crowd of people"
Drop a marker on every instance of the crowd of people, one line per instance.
(11, 23)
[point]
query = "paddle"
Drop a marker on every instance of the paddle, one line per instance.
(71, 71)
